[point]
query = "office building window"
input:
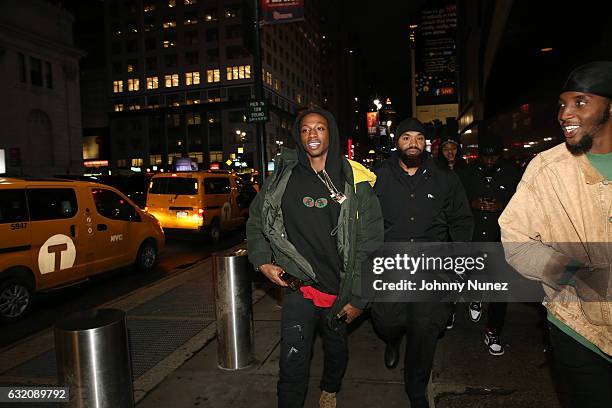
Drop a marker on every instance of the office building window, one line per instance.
(36, 72)
(210, 15)
(150, 43)
(170, 60)
(172, 100)
(133, 84)
(153, 102)
(276, 85)
(131, 65)
(269, 78)
(191, 37)
(192, 57)
(212, 34)
(151, 63)
(216, 157)
(238, 72)
(192, 78)
(190, 17)
(233, 31)
(213, 75)
(170, 41)
(193, 98)
(118, 107)
(193, 118)
(190, 2)
(152, 82)
(212, 55)
(171, 80)
(171, 3)
(131, 46)
(117, 86)
(148, 7)
(169, 22)
(214, 95)
(231, 12)
(22, 68)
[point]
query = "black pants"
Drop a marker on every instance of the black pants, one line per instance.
(586, 378)
(422, 323)
(301, 319)
(496, 316)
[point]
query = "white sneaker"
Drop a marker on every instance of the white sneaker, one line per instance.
(475, 311)
(493, 343)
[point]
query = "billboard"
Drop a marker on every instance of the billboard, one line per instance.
(282, 11)
(372, 123)
(436, 59)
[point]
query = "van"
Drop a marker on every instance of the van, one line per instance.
(54, 233)
(209, 202)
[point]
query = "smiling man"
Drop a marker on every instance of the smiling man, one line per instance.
(557, 228)
(303, 233)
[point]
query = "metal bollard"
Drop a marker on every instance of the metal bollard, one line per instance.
(93, 359)
(234, 309)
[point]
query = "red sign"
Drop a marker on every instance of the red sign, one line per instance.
(372, 123)
(282, 11)
(214, 166)
(350, 149)
(96, 163)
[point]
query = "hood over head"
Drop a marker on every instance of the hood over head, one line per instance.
(333, 162)
(594, 78)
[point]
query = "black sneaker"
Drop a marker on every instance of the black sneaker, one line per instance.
(450, 323)
(493, 343)
(475, 311)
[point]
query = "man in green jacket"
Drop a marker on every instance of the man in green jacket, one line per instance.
(310, 228)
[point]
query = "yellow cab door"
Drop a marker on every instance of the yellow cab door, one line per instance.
(15, 229)
(110, 223)
(58, 235)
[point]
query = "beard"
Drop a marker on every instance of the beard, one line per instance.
(412, 160)
(585, 144)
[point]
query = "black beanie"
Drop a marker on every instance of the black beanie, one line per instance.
(409, 125)
(594, 78)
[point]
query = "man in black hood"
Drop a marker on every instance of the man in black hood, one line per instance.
(421, 202)
(303, 233)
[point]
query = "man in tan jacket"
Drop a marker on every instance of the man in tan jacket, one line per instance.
(557, 229)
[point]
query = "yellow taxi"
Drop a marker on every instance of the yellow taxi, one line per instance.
(210, 201)
(58, 232)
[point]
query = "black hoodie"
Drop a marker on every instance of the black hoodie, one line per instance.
(310, 215)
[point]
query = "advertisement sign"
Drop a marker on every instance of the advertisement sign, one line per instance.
(2, 162)
(372, 123)
(282, 11)
(436, 60)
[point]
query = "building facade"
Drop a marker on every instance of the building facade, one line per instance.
(180, 74)
(41, 114)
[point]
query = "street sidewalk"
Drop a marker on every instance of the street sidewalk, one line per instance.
(465, 375)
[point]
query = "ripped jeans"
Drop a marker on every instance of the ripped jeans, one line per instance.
(301, 319)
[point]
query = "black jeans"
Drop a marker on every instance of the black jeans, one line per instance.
(423, 323)
(300, 321)
(497, 317)
(585, 377)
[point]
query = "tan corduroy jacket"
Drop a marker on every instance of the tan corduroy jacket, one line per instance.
(562, 213)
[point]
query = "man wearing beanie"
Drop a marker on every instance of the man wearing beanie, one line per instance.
(558, 229)
(421, 202)
(489, 183)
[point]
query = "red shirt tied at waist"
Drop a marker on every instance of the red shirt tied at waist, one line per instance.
(319, 299)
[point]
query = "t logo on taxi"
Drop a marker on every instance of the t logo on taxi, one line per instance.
(56, 254)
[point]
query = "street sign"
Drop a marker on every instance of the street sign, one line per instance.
(257, 111)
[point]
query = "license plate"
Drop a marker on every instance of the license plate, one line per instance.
(181, 214)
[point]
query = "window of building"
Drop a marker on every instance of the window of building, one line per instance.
(171, 3)
(51, 203)
(210, 15)
(134, 106)
(191, 37)
(237, 116)
(150, 43)
(212, 55)
(13, 206)
(170, 60)
(235, 51)
(193, 118)
(212, 34)
(131, 46)
(148, 7)
(152, 82)
(172, 100)
(153, 102)
(214, 95)
(268, 78)
(277, 85)
(192, 57)
(48, 75)
(117, 86)
(149, 23)
(298, 98)
(36, 72)
(238, 72)
(118, 107)
(216, 157)
(111, 205)
(193, 98)
(231, 12)
(131, 65)
(22, 68)
(133, 84)
(116, 67)
(190, 17)
(171, 80)
(122, 163)
(233, 31)
(192, 78)
(174, 120)
(190, 2)
(213, 75)
(169, 22)
(170, 41)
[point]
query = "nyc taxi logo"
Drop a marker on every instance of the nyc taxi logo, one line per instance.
(56, 254)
